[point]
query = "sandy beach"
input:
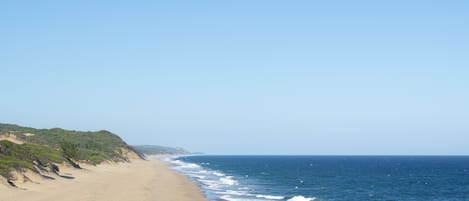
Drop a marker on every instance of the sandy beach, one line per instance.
(150, 180)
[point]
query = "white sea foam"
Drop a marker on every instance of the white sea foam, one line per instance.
(197, 176)
(210, 184)
(218, 174)
(228, 181)
(230, 198)
(219, 183)
(205, 181)
(271, 197)
(233, 192)
(183, 165)
(301, 198)
(190, 166)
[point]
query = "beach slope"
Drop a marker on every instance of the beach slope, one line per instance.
(138, 180)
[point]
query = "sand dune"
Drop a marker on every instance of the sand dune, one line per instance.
(136, 181)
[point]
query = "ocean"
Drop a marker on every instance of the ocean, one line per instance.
(328, 178)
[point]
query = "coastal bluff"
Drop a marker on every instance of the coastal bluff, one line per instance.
(33, 156)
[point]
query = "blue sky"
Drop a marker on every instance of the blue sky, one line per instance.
(243, 77)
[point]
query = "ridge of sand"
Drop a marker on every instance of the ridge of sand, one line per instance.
(139, 180)
(11, 138)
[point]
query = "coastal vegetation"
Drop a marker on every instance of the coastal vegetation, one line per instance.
(41, 149)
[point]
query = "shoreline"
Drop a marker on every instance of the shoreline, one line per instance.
(139, 180)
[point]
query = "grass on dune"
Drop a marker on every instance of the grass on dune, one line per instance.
(46, 146)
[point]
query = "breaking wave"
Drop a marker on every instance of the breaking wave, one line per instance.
(217, 185)
(301, 198)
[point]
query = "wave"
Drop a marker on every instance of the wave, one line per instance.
(230, 198)
(211, 179)
(218, 174)
(218, 185)
(183, 165)
(271, 197)
(233, 192)
(229, 181)
(301, 198)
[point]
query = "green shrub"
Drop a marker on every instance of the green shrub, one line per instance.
(57, 146)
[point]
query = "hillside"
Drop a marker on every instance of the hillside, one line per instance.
(42, 150)
(156, 149)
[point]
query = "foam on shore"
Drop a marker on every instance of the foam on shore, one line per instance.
(219, 185)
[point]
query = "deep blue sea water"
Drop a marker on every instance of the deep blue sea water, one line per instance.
(329, 178)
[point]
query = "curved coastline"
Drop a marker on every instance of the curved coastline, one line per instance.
(140, 180)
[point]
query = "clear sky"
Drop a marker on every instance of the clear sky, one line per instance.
(243, 77)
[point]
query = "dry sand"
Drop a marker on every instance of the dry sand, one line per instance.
(139, 180)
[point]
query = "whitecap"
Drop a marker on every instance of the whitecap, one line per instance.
(228, 181)
(301, 198)
(218, 174)
(229, 198)
(182, 165)
(271, 197)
